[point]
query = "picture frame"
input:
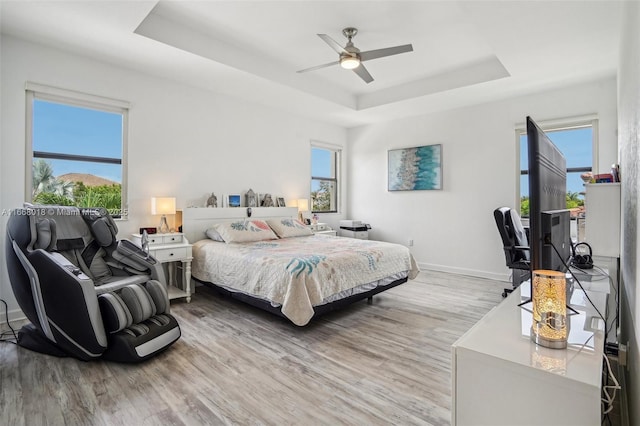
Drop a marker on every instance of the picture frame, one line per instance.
(415, 169)
(280, 202)
(267, 201)
(234, 200)
(252, 199)
(212, 201)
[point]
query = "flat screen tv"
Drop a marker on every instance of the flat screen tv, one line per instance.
(549, 221)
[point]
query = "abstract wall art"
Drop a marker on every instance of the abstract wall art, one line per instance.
(413, 169)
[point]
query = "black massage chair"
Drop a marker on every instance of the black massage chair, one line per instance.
(86, 294)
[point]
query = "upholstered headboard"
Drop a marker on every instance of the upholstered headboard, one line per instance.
(196, 220)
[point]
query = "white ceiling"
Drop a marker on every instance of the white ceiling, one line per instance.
(465, 52)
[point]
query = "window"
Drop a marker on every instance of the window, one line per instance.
(76, 145)
(576, 142)
(325, 164)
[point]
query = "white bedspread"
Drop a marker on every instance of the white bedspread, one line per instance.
(299, 273)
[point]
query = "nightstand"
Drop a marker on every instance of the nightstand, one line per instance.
(322, 228)
(171, 249)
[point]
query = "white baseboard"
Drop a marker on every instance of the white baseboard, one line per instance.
(465, 271)
(16, 318)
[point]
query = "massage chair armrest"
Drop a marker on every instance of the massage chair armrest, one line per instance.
(122, 282)
(65, 285)
(63, 262)
(134, 256)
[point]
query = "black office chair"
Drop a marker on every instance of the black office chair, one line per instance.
(515, 244)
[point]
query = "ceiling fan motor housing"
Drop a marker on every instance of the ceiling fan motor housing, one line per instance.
(350, 32)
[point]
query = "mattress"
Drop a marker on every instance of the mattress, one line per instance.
(301, 272)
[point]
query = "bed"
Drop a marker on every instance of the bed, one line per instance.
(291, 273)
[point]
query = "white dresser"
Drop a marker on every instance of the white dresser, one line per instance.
(500, 377)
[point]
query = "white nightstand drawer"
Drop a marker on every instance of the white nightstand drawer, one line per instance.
(169, 254)
(171, 239)
(159, 239)
(154, 239)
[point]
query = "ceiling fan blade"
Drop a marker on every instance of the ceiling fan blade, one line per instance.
(317, 67)
(334, 44)
(381, 53)
(363, 73)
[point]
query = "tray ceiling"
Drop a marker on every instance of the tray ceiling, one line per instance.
(464, 52)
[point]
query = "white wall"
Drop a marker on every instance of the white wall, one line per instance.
(453, 229)
(629, 140)
(183, 141)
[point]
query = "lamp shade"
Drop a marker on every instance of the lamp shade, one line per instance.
(303, 205)
(163, 205)
(549, 297)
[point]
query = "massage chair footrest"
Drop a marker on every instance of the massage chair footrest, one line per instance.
(143, 340)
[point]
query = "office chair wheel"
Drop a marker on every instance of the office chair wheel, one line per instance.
(506, 292)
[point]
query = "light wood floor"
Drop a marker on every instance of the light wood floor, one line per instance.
(385, 363)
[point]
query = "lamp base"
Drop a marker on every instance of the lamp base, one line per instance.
(164, 226)
(547, 343)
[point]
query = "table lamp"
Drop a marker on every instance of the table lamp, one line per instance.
(303, 206)
(549, 297)
(163, 206)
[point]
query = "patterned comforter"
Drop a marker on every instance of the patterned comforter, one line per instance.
(300, 272)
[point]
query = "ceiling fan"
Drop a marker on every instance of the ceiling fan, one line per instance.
(351, 57)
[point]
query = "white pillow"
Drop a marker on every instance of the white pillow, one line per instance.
(242, 231)
(214, 235)
(288, 227)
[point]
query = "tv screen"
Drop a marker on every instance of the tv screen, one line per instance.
(547, 194)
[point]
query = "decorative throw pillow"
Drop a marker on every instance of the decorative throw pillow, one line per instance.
(288, 227)
(214, 235)
(242, 231)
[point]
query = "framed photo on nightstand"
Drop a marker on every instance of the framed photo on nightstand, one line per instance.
(233, 200)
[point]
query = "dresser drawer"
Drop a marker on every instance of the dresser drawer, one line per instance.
(169, 254)
(152, 240)
(159, 239)
(171, 239)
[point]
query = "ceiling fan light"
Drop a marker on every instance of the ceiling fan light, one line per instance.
(349, 62)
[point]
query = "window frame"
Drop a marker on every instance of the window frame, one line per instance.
(558, 125)
(35, 91)
(337, 160)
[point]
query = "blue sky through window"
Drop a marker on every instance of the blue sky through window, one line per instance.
(59, 128)
(320, 165)
(577, 147)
